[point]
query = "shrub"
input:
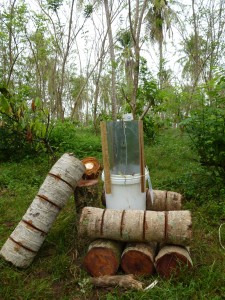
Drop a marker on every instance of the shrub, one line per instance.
(206, 127)
(24, 123)
(69, 136)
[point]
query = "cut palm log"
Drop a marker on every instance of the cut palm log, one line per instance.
(163, 200)
(171, 227)
(124, 281)
(86, 193)
(171, 259)
(103, 257)
(92, 168)
(26, 239)
(138, 258)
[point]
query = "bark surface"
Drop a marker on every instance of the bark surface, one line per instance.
(163, 200)
(26, 239)
(171, 227)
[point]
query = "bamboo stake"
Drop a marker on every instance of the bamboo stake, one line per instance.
(105, 155)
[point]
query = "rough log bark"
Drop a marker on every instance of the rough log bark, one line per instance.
(26, 239)
(171, 259)
(86, 193)
(124, 281)
(138, 258)
(103, 257)
(171, 227)
(163, 200)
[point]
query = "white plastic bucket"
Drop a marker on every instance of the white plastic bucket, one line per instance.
(126, 192)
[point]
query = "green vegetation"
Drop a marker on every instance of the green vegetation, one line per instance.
(57, 273)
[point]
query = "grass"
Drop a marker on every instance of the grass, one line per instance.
(57, 273)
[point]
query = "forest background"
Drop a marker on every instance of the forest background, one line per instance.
(85, 62)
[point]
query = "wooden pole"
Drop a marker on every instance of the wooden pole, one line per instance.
(142, 161)
(105, 156)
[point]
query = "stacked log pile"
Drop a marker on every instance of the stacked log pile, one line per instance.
(157, 239)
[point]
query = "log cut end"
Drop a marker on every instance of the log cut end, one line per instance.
(137, 263)
(92, 168)
(101, 261)
(171, 263)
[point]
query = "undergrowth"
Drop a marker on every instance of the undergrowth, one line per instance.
(57, 272)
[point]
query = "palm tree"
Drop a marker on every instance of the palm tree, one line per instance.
(159, 19)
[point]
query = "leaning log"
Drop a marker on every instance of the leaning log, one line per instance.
(171, 227)
(163, 200)
(171, 259)
(138, 258)
(103, 257)
(26, 239)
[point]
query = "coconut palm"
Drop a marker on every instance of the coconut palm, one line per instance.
(159, 18)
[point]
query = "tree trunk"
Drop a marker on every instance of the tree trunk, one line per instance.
(86, 193)
(135, 29)
(112, 58)
(163, 201)
(27, 238)
(161, 62)
(103, 257)
(171, 259)
(173, 227)
(138, 258)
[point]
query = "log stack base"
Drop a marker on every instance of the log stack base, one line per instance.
(163, 222)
